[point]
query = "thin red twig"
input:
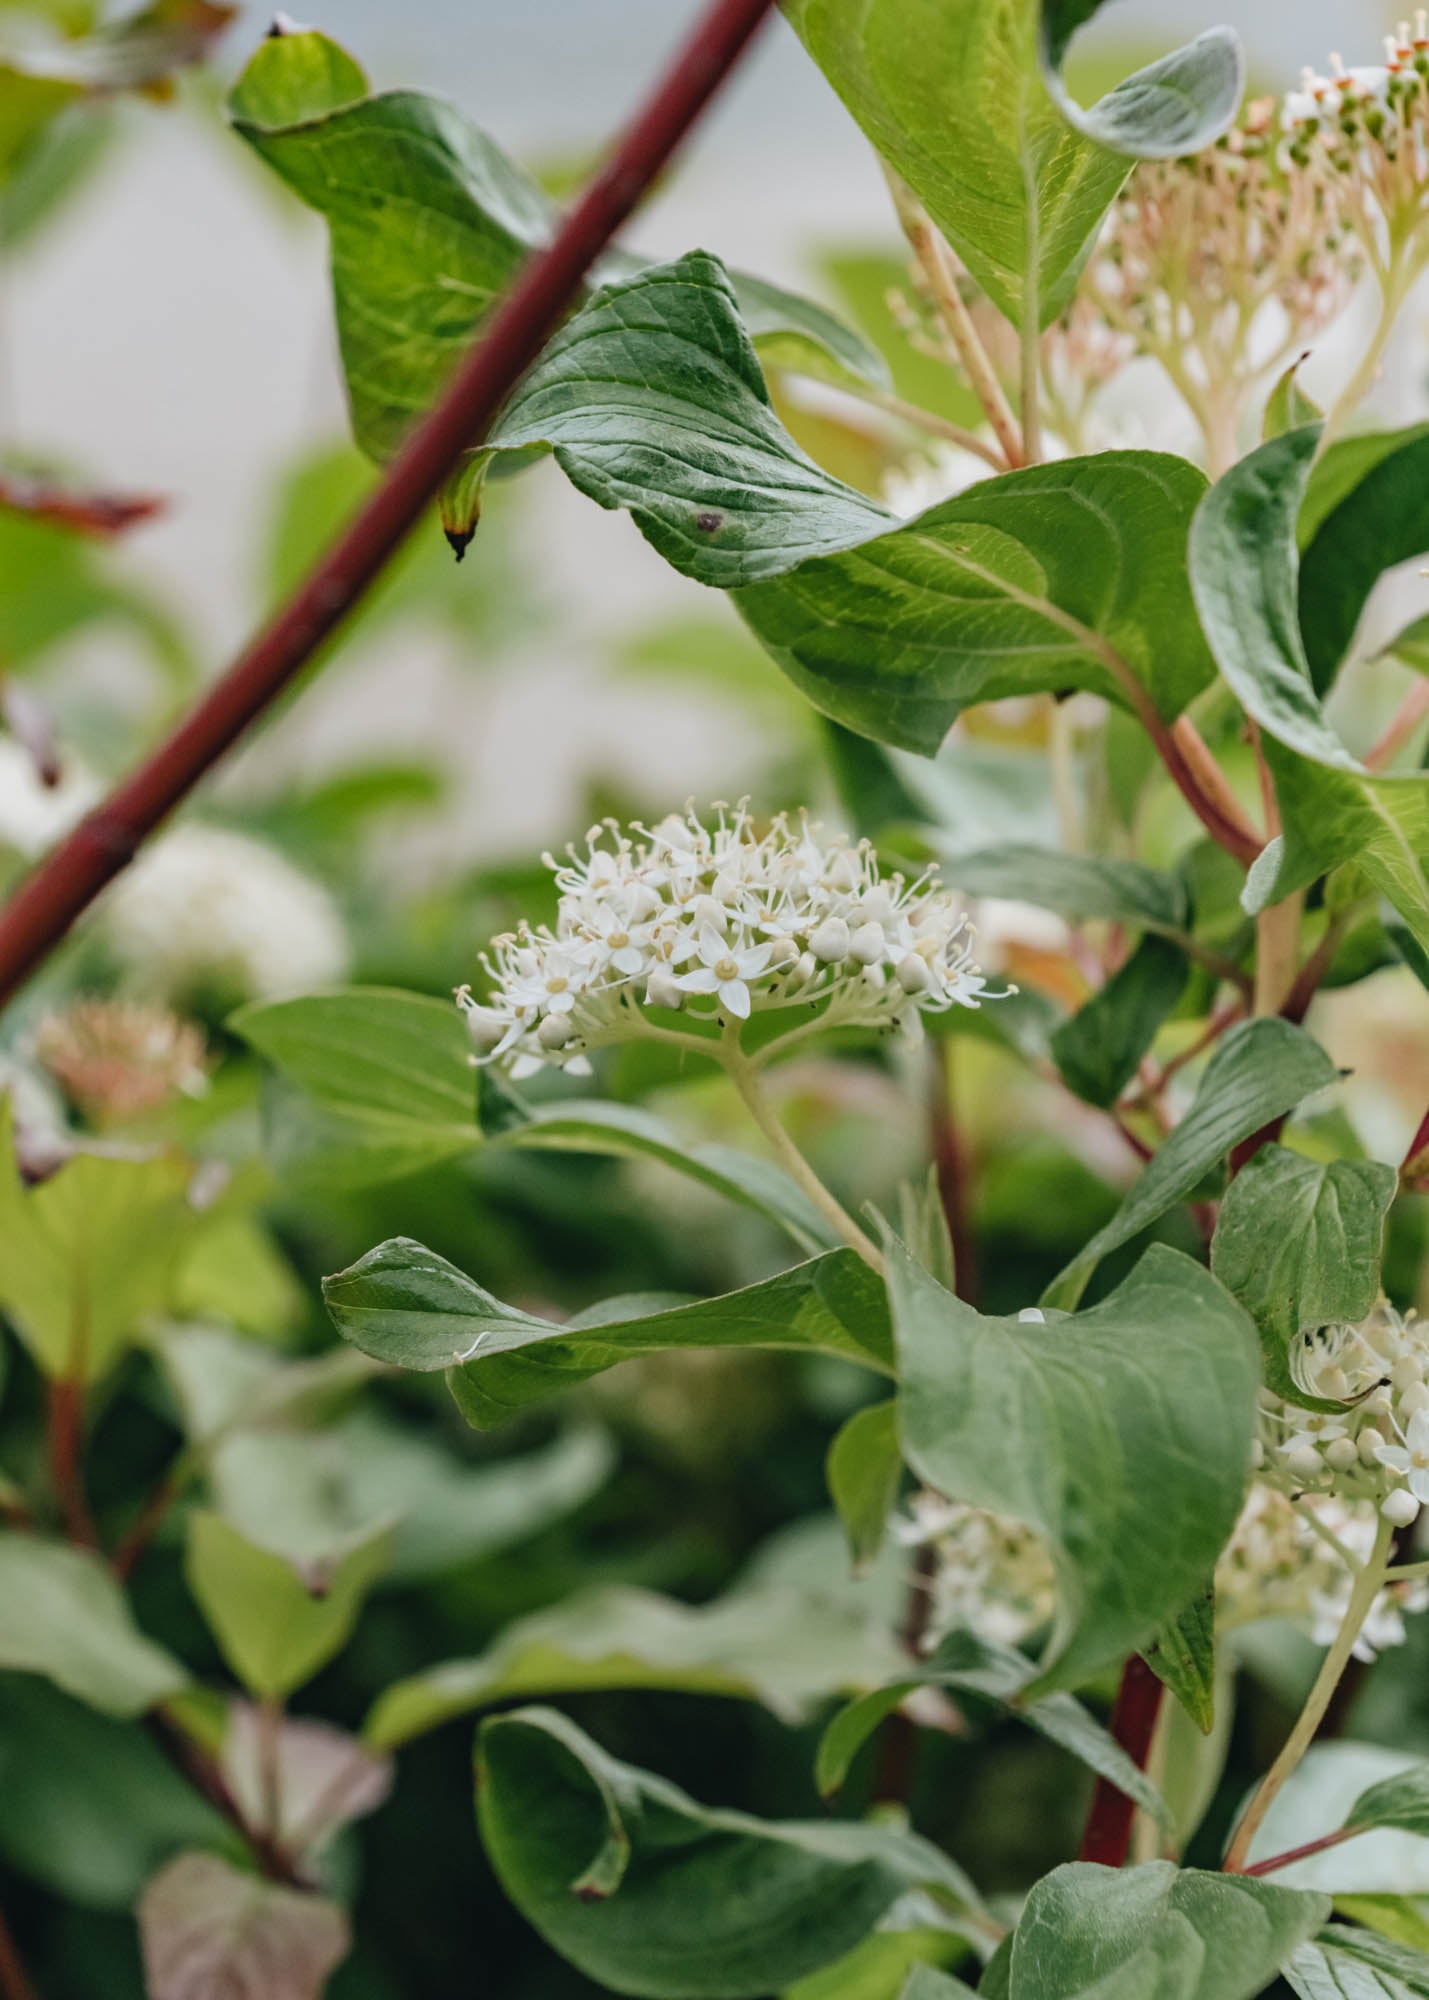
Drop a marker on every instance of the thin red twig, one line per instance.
(1291, 1854)
(67, 881)
(66, 1444)
(15, 1983)
(1107, 1835)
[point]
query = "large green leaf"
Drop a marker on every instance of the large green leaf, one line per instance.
(403, 1304)
(1344, 1963)
(648, 1893)
(1099, 1049)
(388, 1080)
(430, 221)
(968, 1665)
(1260, 1070)
(1080, 887)
(1401, 1801)
(1369, 503)
(1298, 1241)
(63, 1615)
(1155, 1933)
(88, 1253)
(1122, 1436)
(1338, 1784)
(762, 1644)
(1245, 571)
(1059, 576)
(952, 94)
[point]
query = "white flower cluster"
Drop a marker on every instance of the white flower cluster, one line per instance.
(1284, 1561)
(720, 921)
(1375, 1445)
(206, 907)
(992, 1576)
(1367, 129)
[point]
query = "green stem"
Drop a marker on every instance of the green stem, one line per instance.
(1367, 1587)
(745, 1078)
(1406, 1572)
(1396, 282)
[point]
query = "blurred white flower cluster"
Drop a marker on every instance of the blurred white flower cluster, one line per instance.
(720, 921)
(992, 1575)
(1366, 130)
(1285, 1561)
(204, 908)
(1375, 1445)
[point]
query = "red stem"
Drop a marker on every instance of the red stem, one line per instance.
(66, 1442)
(64, 884)
(1291, 1854)
(1107, 1835)
(14, 1980)
(1415, 1160)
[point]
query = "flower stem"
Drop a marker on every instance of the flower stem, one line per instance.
(745, 1078)
(66, 1446)
(1367, 1587)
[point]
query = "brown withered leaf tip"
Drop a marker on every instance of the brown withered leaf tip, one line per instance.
(99, 514)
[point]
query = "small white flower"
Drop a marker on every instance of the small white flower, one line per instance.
(725, 970)
(1411, 1459)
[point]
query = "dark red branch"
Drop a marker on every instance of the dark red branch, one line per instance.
(1415, 1170)
(14, 1980)
(68, 880)
(1291, 1854)
(1107, 1835)
(66, 1445)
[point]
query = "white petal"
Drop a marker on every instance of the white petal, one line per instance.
(734, 995)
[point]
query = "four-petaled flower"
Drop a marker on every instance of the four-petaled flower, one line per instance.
(725, 970)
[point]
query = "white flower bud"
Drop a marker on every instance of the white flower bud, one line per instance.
(807, 968)
(708, 911)
(1368, 1442)
(485, 1026)
(554, 1031)
(912, 973)
(844, 871)
(1341, 1454)
(1305, 1464)
(783, 951)
(866, 944)
(1405, 1372)
(1415, 1397)
(726, 889)
(1334, 1383)
(1257, 1455)
(661, 989)
(830, 941)
(1400, 1508)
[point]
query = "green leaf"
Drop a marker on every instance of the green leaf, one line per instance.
(398, 1064)
(1083, 888)
(1378, 520)
(1245, 573)
(653, 400)
(275, 1625)
(888, 1965)
(1122, 1436)
(88, 1253)
(865, 1471)
(91, 1807)
(63, 1615)
(1070, 575)
(1260, 1070)
(208, 1928)
(968, 1665)
(758, 1643)
(625, 1131)
(430, 221)
(1288, 407)
(1401, 1801)
(1299, 1243)
(404, 1305)
(925, 1982)
(1347, 1964)
(1182, 1655)
(952, 94)
(1154, 1932)
(634, 1883)
(1099, 1049)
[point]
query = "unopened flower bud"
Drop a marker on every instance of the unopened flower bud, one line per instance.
(1400, 1508)
(783, 951)
(1405, 1372)
(554, 1031)
(1305, 1464)
(1368, 1442)
(485, 1026)
(830, 941)
(1342, 1453)
(912, 973)
(1415, 1397)
(866, 944)
(1334, 1383)
(661, 989)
